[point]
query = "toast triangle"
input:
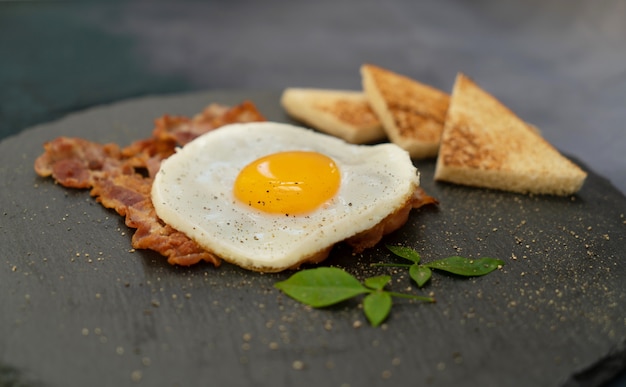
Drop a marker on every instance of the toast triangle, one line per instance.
(342, 113)
(484, 144)
(412, 113)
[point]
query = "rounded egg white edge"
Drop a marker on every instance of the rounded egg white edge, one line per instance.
(346, 228)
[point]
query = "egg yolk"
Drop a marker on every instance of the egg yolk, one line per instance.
(290, 183)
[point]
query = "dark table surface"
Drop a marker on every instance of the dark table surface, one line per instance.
(560, 65)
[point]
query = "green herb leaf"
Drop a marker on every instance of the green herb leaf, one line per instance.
(377, 283)
(325, 286)
(377, 306)
(322, 286)
(466, 266)
(420, 274)
(405, 252)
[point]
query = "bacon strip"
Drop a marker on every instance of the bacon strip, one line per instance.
(121, 179)
(421, 198)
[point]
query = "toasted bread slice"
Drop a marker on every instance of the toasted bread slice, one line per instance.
(341, 113)
(485, 144)
(412, 113)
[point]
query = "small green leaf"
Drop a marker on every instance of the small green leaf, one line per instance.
(420, 274)
(466, 266)
(377, 283)
(405, 252)
(377, 306)
(322, 286)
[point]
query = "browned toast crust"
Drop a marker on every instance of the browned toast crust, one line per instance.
(485, 144)
(412, 113)
(342, 113)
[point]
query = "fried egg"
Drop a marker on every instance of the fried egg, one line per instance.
(269, 196)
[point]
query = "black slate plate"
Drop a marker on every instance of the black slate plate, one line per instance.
(79, 308)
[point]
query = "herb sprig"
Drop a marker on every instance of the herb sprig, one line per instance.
(422, 272)
(326, 286)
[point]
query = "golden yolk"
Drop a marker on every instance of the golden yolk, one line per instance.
(290, 183)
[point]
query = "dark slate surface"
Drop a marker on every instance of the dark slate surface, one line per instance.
(79, 308)
(558, 64)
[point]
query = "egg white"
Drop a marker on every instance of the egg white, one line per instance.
(193, 192)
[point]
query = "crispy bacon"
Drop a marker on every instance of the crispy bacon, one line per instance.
(121, 179)
(421, 198)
